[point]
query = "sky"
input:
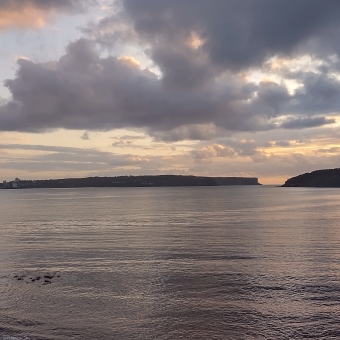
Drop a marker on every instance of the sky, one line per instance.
(147, 87)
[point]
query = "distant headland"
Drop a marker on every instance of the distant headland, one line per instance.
(329, 178)
(129, 181)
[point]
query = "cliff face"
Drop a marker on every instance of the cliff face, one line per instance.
(321, 178)
(236, 181)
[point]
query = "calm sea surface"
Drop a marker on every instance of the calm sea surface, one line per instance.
(170, 263)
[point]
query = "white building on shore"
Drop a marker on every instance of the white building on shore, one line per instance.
(12, 184)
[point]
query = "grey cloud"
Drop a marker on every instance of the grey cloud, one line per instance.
(259, 157)
(189, 132)
(85, 136)
(267, 144)
(182, 70)
(130, 142)
(58, 158)
(213, 151)
(47, 148)
(230, 149)
(282, 143)
(320, 93)
(244, 148)
(273, 96)
(128, 137)
(273, 166)
(236, 33)
(302, 123)
(84, 152)
(55, 161)
(334, 150)
(199, 95)
(87, 92)
(62, 162)
(126, 144)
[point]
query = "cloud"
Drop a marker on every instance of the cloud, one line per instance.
(85, 91)
(235, 34)
(234, 158)
(123, 143)
(283, 143)
(47, 148)
(128, 137)
(333, 150)
(35, 13)
(55, 158)
(189, 132)
(211, 151)
(230, 149)
(202, 53)
(303, 123)
(85, 136)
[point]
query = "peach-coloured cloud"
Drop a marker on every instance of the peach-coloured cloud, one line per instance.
(212, 151)
(28, 14)
(17, 57)
(195, 41)
(130, 61)
(23, 18)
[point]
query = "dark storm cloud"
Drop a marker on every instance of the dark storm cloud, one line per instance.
(182, 70)
(320, 93)
(236, 33)
(202, 49)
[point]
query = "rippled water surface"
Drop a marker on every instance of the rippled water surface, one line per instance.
(170, 263)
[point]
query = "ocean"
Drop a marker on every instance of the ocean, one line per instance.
(248, 262)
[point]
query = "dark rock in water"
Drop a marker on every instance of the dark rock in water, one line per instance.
(32, 279)
(50, 277)
(329, 178)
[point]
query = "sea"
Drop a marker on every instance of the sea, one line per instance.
(239, 262)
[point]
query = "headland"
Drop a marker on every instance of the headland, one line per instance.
(130, 181)
(328, 178)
